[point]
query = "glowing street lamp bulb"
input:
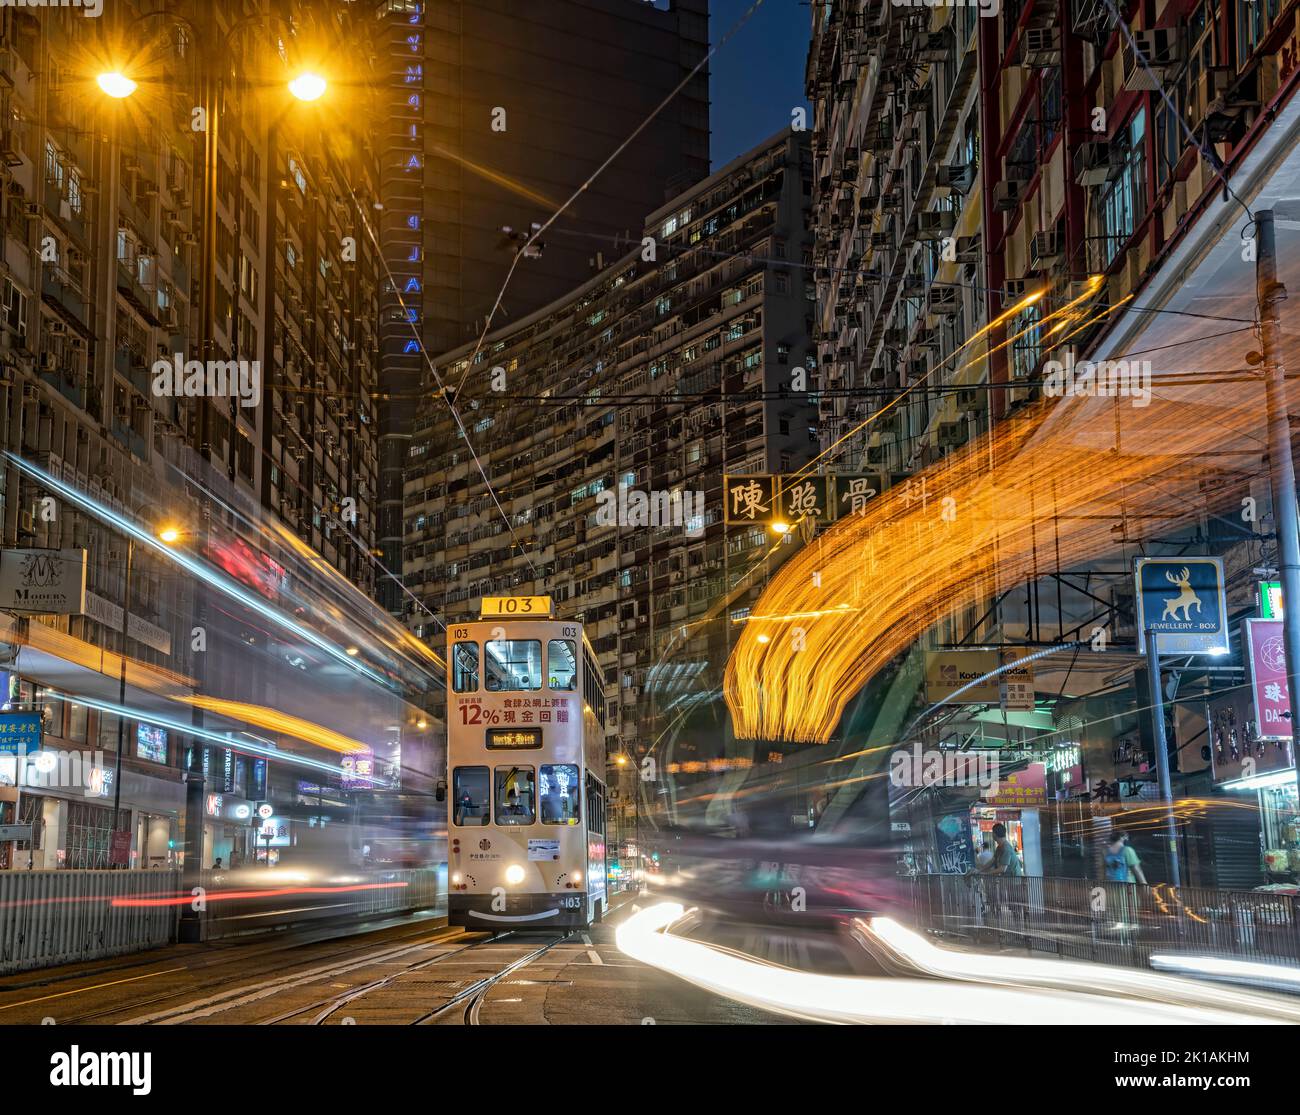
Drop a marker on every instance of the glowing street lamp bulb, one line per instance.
(307, 87)
(353, 652)
(169, 534)
(765, 638)
(116, 84)
(422, 725)
(514, 874)
(779, 527)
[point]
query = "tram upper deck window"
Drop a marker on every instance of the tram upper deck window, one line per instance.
(516, 794)
(562, 664)
(470, 796)
(464, 667)
(558, 786)
(512, 665)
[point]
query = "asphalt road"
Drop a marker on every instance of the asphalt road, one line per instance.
(415, 972)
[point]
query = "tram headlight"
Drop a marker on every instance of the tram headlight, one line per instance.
(514, 874)
(456, 878)
(577, 876)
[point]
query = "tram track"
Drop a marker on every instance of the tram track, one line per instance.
(229, 954)
(474, 996)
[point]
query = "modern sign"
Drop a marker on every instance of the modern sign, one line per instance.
(1270, 599)
(1182, 601)
(44, 582)
(15, 832)
(1266, 654)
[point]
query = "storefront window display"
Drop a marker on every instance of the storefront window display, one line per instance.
(1279, 808)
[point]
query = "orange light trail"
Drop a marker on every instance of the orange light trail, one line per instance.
(1073, 476)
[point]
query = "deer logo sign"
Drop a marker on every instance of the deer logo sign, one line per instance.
(1185, 598)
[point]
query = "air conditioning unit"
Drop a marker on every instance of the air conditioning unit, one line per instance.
(969, 249)
(936, 46)
(1041, 46)
(1017, 171)
(33, 209)
(190, 240)
(46, 361)
(1211, 87)
(1095, 162)
(56, 328)
(1006, 195)
(1162, 52)
(882, 241)
(9, 149)
(1013, 289)
(958, 176)
(951, 434)
(943, 299)
(935, 225)
(1046, 249)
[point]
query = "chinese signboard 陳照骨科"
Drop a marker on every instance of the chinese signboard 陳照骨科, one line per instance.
(764, 499)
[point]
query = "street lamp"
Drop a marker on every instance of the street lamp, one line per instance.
(308, 86)
(116, 84)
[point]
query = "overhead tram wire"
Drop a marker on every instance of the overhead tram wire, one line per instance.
(586, 185)
(442, 392)
(795, 265)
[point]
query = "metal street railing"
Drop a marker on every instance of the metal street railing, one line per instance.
(1112, 923)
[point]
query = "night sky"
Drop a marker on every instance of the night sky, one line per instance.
(757, 76)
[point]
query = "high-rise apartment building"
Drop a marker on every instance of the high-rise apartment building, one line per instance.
(1001, 189)
(654, 378)
(200, 212)
(498, 113)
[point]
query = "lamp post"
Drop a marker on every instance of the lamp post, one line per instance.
(121, 700)
(307, 86)
(168, 534)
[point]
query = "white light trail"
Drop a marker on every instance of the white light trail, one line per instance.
(845, 999)
(1067, 975)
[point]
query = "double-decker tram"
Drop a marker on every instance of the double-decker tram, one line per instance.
(526, 770)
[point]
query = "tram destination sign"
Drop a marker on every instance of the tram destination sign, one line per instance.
(514, 739)
(532, 607)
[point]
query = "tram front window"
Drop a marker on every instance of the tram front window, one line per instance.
(561, 664)
(470, 796)
(516, 794)
(512, 665)
(559, 790)
(464, 667)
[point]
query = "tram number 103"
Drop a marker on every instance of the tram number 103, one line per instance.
(538, 606)
(571, 902)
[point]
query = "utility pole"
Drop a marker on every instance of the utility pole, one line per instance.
(121, 702)
(1156, 691)
(1270, 294)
